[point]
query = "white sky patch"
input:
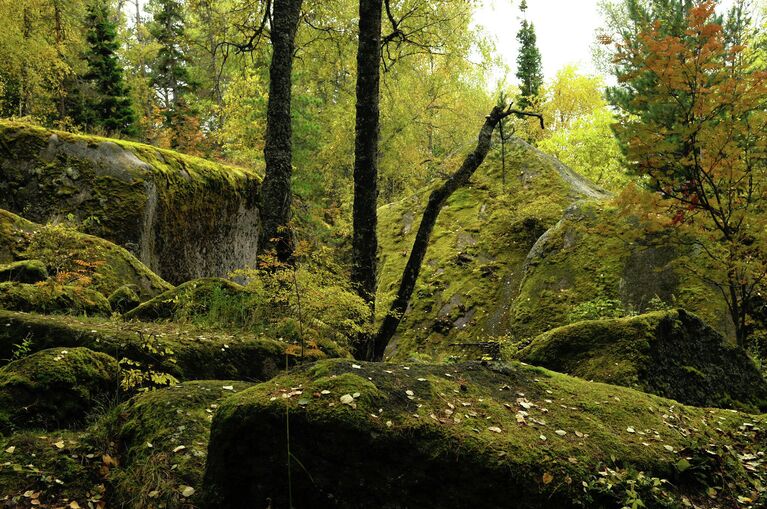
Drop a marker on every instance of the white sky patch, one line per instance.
(565, 29)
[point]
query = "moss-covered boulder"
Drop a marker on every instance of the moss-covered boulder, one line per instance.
(672, 354)
(23, 271)
(124, 299)
(598, 263)
(55, 388)
(214, 298)
(195, 352)
(182, 216)
(73, 256)
(385, 435)
(475, 263)
(53, 298)
(162, 438)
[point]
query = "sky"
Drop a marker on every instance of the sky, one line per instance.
(565, 30)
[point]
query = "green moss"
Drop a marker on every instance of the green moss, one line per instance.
(163, 439)
(198, 352)
(124, 299)
(183, 216)
(55, 388)
(464, 435)
(669, 353)
(24, 271)
(97, 263)
(476, 258)
(210, 299)
(53, 298)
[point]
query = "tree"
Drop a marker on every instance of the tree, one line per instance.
(706, 163)
(276, 192)
(529, 71)
(170, 73)
(366, 134)
(110, 108)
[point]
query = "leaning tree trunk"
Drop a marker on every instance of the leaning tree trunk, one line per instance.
(366, 134)
(437, 200)
(276, 193)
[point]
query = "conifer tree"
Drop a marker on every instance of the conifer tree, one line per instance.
(108, 105)
(170, 72)
(529, 71)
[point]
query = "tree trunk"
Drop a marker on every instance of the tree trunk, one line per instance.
(437, 200)
(366, 134)
(276, 193)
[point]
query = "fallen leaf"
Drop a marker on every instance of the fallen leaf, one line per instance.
(228, 387)
(59, 444)
(547, 478)
(186, 491)
(179, 448)
(494, 429)
(11, 449)
(561, 432)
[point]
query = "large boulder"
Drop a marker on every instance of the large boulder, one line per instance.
(182, 216)
(23, 271)
(166, 431)
(69, 255)
(55, 388)
(471, 274)
(386, 435)
(506, 263)
(672, 354)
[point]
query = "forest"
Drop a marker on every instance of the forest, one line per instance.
(383, 253)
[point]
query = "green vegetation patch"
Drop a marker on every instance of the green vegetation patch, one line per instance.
(71, 256)
(53, 298)
(470, 435)
(475, 263)
(669, 353)
(55, 388)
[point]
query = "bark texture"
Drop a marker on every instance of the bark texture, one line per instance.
(437, 200)
(366, 135)
(276, 195)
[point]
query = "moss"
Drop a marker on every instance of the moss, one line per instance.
(55, 468)
(475, 262)
(198, 352)
(98, 264)
(183, 216)
(163, 437)
(124, 299)
(588, 266)
(53, 298)
(24, 271)
(54, 388)
(215, 299)
(462, 436)
(669, 353)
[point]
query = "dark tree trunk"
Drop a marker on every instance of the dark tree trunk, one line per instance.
(276, 193)
(366, 134)
(437, 200)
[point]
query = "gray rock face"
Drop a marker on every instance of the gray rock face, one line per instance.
(182, 216)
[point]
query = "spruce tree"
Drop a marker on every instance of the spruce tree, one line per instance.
(170, 72)
(529, 72)
(108, 105)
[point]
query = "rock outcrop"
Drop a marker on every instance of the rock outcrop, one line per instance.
(668, 353)
(182, 216)
(386, 435)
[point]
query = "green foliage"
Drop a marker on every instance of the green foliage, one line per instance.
(595, 309)
(107, 106)
(529, 70)
(138, 376)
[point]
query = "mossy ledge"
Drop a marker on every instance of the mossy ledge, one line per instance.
(385, 435)
(183, 216)
(669, 353)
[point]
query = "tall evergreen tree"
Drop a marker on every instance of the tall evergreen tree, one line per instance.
(529, 71)
(170, 71)
(108, 105)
